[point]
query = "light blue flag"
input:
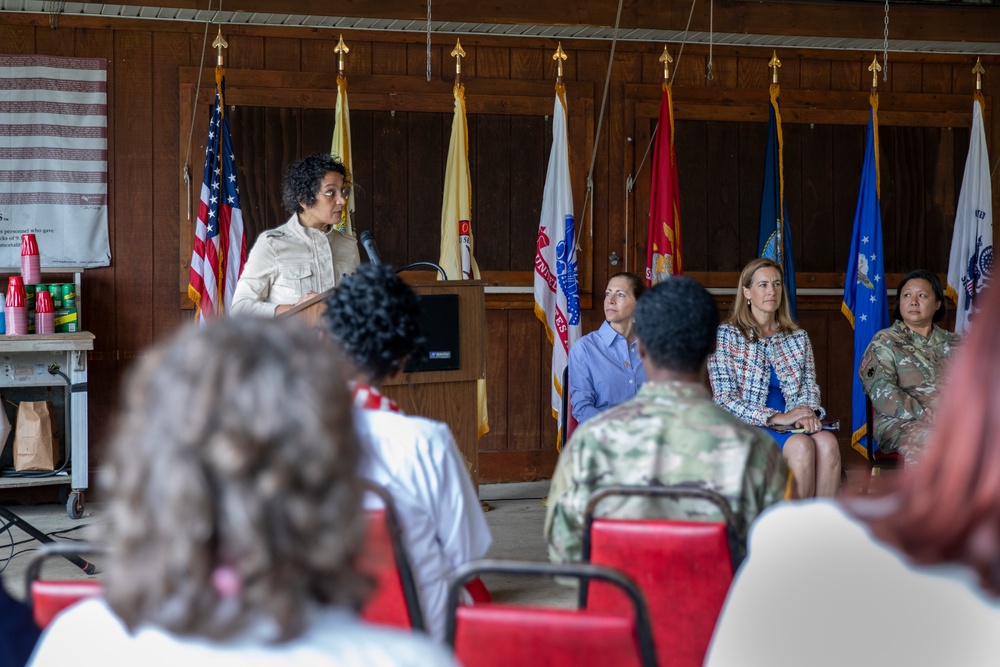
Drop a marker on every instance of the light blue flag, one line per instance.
(865, 303)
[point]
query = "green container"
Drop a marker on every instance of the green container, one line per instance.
(69, 296)
(57, 296)
(65, 320)
(29, 305)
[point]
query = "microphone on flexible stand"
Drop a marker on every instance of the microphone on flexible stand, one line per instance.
(369, 244)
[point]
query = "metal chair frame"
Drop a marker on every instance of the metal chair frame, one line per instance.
(403, 565)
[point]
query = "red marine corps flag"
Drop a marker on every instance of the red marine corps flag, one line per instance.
(663, 246)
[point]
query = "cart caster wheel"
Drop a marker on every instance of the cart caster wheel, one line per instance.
(74, 505)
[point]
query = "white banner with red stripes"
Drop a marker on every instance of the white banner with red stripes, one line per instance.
(54, 160)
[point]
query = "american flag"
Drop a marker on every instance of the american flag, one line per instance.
(219, 251)
(54, 159)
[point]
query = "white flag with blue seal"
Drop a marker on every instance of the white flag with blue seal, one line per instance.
(557, 292)
(971, 261)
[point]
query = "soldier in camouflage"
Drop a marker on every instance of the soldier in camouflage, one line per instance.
(902, 366)
(670, 433)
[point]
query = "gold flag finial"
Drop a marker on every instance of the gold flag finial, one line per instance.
(458, 53)
(219, 44)
(979, 72)
(774, 64)
(666, 60)
(559, 56)
(341, 50)
(874, 68)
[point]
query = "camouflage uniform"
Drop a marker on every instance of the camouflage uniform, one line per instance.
(900, 372)
(670, 433)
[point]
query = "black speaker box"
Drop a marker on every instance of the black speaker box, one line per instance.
(439, 326)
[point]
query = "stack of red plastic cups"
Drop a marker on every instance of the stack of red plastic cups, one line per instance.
(30, 266)
(45, 315)
(16, 311)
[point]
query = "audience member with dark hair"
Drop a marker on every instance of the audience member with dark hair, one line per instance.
(763, 371)
(901, 369)
(18, 632)
(670, 433)
(307, 255)
(908, 578)
(605, 368)
(374, 316)
(234, 513)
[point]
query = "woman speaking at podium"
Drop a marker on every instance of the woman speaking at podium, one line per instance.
(307, 255)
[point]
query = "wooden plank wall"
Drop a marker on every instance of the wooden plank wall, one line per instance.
(720, 131)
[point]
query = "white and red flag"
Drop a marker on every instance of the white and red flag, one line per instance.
(557, 290)
(54, 159)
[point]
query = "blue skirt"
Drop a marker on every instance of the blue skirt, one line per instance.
(776, 401)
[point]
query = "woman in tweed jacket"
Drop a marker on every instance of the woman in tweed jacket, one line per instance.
(763, 371)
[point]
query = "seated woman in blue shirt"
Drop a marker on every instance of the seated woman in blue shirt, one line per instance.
(605, 368)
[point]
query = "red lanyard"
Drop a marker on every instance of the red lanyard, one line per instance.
(368, 397)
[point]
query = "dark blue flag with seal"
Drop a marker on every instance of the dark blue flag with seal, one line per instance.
(774, 238)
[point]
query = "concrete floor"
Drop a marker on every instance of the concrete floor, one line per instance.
(515, 518)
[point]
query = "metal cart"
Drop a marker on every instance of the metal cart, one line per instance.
(54, 360)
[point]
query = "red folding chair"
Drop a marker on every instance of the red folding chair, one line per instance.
(50, 596)
(383, 556)
(495, 635)
(684, 568)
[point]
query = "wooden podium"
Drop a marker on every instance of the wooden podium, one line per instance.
(446, 396)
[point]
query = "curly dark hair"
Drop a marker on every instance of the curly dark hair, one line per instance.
(233, 497)
(676, 321)
(375, 317)
(935, 282)
(303, 178)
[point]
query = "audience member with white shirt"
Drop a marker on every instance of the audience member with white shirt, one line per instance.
(374, 316)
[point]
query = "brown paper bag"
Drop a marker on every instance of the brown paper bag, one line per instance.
(35, 446)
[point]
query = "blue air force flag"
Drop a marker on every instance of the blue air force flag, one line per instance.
(865, 303)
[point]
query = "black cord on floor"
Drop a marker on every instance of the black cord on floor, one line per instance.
(55, 533)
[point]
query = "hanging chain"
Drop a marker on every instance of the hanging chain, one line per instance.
(885, 45)
(428, 41)
(711, 37)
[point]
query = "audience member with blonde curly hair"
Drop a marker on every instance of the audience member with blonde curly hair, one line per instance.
(234, 513)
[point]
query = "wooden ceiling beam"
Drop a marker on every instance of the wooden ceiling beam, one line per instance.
(771, 17)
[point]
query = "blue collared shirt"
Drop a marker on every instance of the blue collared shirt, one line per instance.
(604, 370)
